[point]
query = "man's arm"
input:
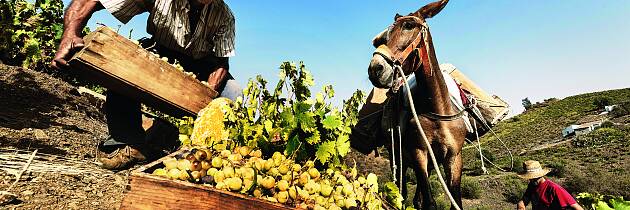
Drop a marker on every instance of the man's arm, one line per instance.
(75, 19)
(577, 206)
(524, 200)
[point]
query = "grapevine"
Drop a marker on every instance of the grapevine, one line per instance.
(283, 145)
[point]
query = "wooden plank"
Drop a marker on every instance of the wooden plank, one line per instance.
(120, 65)
(153, 192)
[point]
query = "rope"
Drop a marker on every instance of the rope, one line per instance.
(506, 147)
(485, 124)
(400, 157)
(485, 171)
(487, 160)
(394, 167)
(483, 167)
(426, 141)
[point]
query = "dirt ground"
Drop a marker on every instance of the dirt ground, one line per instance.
(40, 112)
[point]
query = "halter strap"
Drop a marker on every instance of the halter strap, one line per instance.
(419, 45)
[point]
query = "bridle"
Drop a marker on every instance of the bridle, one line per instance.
(418, 47)
(418, 50)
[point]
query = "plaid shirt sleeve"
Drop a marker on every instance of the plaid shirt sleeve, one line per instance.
(124, 10)
(224, 40)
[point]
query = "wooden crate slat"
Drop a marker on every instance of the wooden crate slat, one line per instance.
(118, 64)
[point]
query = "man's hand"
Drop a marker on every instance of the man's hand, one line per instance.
(520, 205)
(74, 20)
(67, 48)
(217, 78)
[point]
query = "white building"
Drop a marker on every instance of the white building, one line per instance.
(581, 129)
(569, 130)
(610, 108)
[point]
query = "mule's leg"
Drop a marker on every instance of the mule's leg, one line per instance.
(422, 198)
(453, 170)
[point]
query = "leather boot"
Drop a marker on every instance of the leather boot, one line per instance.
(122, 158)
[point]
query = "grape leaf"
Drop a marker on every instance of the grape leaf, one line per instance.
(319, 98)
(314, 138)
(343, 145)
(301, 106)
(393, 195)
(268, 126)
(306, 120)
(328, 89)
(287, 119)
(325, 151)
(331, 122)
(619, 203)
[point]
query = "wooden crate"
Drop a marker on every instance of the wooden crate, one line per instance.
(154, 192)
(126, 68)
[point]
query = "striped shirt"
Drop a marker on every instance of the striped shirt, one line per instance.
(170, 25)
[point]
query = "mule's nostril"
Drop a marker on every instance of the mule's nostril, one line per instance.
(376, 68)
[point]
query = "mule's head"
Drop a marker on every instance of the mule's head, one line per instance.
(396, 39)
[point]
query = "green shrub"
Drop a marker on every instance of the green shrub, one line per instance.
(518, 165)
(436, 187)
(471, 189)
(607, 124)
(475, 166)
(514, 189)
(601, 102)
(30, 32)
(600, 137)
(514, 119)
(487, 154)
(558, 169)
(598, 181)
(442, 203)
(621, 110)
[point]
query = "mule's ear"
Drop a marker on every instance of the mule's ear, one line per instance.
(431, 9)
(381, 38)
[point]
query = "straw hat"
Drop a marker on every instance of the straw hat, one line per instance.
(533, 170)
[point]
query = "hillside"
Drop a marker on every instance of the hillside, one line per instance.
(595, 162)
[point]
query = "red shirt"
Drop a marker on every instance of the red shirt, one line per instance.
(549, 196)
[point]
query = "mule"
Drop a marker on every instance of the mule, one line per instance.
(408, 44)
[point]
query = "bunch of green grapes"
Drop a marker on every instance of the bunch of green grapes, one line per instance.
(175, 64)
(277, 179)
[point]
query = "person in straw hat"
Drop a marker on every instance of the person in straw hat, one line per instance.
(542, 193)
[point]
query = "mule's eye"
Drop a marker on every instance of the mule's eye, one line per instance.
(408, 25)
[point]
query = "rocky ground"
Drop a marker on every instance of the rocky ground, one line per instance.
(40, 112)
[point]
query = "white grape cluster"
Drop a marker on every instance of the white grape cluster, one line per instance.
(278, 179)
(176, 64)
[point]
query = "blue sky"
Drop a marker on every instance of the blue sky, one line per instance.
(514, 49)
